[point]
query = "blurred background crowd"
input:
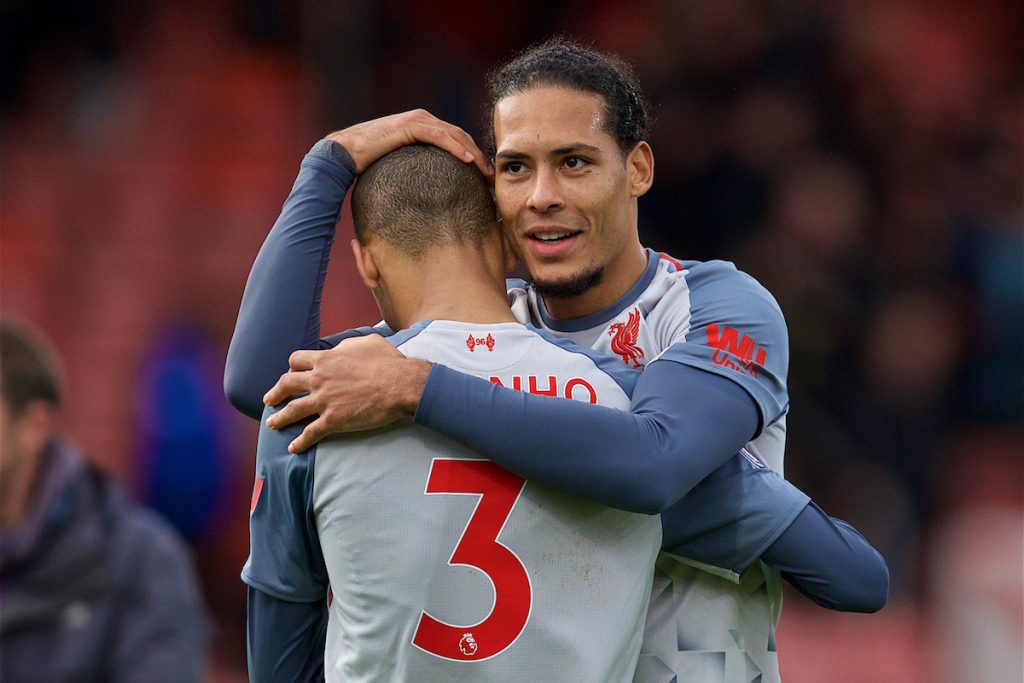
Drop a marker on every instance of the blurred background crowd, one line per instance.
(862, 159)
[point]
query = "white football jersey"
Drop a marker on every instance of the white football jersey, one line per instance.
(701, 627)
(446, 567)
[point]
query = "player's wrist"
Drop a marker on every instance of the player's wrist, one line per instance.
(329, 148)
(412, 379)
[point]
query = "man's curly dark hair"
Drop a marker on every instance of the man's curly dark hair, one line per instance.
(562, 62)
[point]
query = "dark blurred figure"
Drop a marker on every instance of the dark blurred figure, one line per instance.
(92, 586)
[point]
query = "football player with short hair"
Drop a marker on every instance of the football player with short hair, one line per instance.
(390, 520)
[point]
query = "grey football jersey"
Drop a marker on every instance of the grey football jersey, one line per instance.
(445, 567)
(704, 625)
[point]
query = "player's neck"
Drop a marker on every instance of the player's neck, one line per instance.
(456, 284)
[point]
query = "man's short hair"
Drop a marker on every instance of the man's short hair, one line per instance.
(420, 196)
(561, 62)
(29, 369)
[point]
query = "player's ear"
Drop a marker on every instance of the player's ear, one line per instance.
(640, 169)
(365, 265)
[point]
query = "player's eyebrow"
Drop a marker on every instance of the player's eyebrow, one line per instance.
(511, 154)
(571, 148)
(576, 148)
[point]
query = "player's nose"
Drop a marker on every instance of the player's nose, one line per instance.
(545, 192)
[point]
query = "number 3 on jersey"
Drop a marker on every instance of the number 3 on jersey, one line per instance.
(479, 548)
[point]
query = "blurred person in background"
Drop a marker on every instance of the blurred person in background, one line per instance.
(92, 586)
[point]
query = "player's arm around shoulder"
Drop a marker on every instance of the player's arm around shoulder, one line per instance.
(280, 310)
(360, 384)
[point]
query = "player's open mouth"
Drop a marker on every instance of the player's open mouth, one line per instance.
(552, 237)
(553, 244)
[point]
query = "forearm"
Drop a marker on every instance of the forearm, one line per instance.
(829, 562)
(285, 639)
(280, 310)
(730, 518)
(643, 460)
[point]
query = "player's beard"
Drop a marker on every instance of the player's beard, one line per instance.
(574, 285)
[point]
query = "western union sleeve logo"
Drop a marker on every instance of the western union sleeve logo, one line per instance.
(735, 351)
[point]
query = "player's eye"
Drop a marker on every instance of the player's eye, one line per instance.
(574, 163)
(513, 167)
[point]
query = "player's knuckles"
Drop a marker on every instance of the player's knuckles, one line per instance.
(304, 405)
(303, 442)
(277, 396)
(311, 435)
(314, 432)
(316, 379)
(328, 413)
(281, 390)
(293, 411)
(288, 414)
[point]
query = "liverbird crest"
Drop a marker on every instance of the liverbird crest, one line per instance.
(624, 338)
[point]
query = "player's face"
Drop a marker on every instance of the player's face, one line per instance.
(567, 197)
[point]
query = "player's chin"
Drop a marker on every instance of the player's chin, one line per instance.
(554, 285)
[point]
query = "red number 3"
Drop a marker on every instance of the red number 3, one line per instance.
(479, 548)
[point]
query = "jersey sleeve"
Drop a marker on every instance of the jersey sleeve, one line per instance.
(285, 640)
(720, 510)
(731, 517)
(280, 310)
(828, 561)
(735, 330)
(285, 560)
(643, 460)
(745, 511)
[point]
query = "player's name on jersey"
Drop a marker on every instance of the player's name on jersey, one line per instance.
(551, 385)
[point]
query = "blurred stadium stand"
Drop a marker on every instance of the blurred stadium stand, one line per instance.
(862, 159)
